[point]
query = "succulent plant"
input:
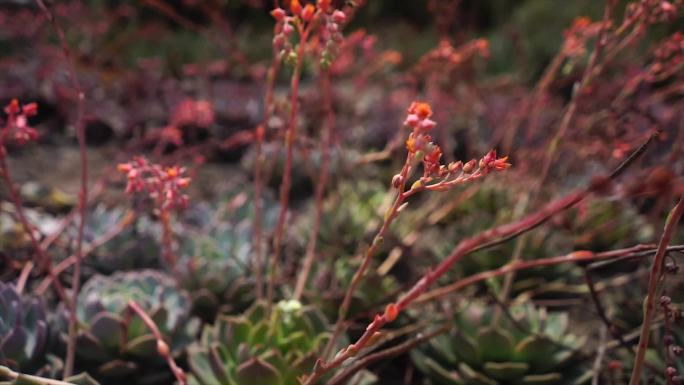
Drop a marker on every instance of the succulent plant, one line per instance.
(217, 254)
(350, 216)
(531, 348)
(135, 247)
(253, 348)
(115, 344)
(23, 330)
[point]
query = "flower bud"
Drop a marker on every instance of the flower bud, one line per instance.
(665, 301)
(412, 120)
(397, 180)
(287, 29)
(339, 17)
(30, 109)
(162, 348)
(308, 12)
(427, 124)
(295, 7)
(469, 167)
(391, 312)
(278, 14)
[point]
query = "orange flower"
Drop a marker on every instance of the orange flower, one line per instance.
(308, 12)
(423, 110)
(295, 7)
(391, 312)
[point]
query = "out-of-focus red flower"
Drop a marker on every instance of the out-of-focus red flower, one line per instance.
(163, 184)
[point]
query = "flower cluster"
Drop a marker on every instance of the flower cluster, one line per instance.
(330, 32)
(299, 18)
(421, 148)
(190, 112)
(669, 58)
(654, 11)
(16, 127)
(163, 184)
(577, 35)
(446, 57)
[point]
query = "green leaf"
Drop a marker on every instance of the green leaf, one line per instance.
(201, 367)
(505, 371)
(106, 327)
(538, 351)
(257, 372)
(441, 376)
(495, 345)
(466, 349)
(143, 346)
(473, 377)
(541, 379)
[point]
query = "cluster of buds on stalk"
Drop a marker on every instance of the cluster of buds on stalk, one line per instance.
(303, 18)
(446, 58)
(668, 58)
(16, 127)
(333, 20)
(654, 11)
(297, 20)
(190, 113)
(164, 185)
(437, 176)
(576, 37)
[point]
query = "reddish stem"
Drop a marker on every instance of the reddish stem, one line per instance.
(259, 176)
(653, 289)
(162, 346)
(290, 136)
(321, 185)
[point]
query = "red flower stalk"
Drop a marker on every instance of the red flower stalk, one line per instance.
(163, 184)
(436, 177)
(17, 128)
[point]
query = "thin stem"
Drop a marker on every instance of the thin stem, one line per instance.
(259, 175)
(368, 255)
(6, 372)
(653, 289)
(162, 346)
(43, 257)
(321, 185)
(83, 195)
(419, 339)
(126, 221)
(290, 137)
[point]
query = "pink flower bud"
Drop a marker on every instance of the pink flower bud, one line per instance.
(412, 120)
(427, 124)
(339, 17)
(30, 109)
(278, 14)
(287, 29)
(308, 12)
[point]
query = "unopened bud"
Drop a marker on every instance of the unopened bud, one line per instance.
(469, 167)
(162, 348)
(397, 180)
(278, 14)
(308, 12)
(391, 312)
(339, 17)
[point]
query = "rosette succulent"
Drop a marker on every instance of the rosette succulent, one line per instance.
(23, 330)
(532, 347)
(136, 246)
(254, 348)
(217, 254)
(114, 343)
